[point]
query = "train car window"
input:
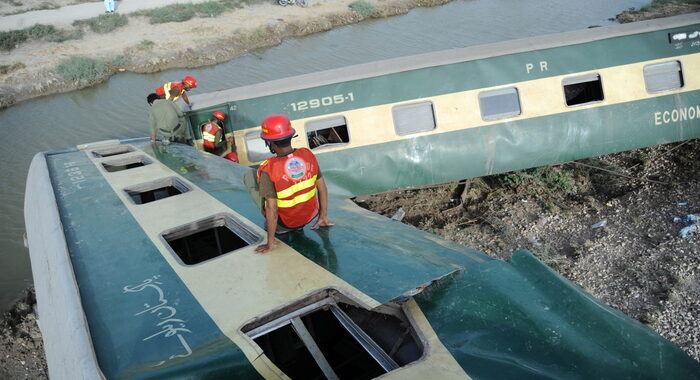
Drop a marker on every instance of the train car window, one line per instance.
(327, 132)
(209, 238)
(665, 76)
(156, 190)
(257, 150)
(499, 104)
(413, 118)
(583, 89)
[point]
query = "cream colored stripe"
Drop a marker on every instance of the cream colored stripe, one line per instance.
(233, 288)
(460, 110)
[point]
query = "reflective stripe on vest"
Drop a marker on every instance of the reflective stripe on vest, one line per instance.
(288, 192)
(296, 200)
(208, 136)
(294, 177)
(167, 87)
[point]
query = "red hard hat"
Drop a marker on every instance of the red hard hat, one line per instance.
(276, 127)
(190, 81)
(232, 157)
(219, 115)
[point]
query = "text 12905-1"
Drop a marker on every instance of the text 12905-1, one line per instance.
(324, 101)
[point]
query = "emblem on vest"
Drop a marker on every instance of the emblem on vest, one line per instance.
(295, 167)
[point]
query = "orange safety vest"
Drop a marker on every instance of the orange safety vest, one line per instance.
(165, 89)
(212, 135)
(294, 176)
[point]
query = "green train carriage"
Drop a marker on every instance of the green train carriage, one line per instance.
(481, 110)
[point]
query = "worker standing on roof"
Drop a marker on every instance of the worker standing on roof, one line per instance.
(291, 184)
(173, 90)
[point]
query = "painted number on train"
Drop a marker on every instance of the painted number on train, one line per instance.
(324, 101)
(74, 173)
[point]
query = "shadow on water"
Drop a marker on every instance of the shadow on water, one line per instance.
(117, 108)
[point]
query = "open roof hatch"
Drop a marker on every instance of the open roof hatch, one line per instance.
(330, 336)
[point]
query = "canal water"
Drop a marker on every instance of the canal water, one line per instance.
(117, 108)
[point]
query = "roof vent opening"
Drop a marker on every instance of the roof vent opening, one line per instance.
(126, 163)
(113, 151)
(209, 238)
(336, 340)
(156, 190)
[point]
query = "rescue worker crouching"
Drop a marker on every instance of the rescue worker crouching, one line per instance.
(173, 90)
(213, 137)
(213, 133)
(291, 184)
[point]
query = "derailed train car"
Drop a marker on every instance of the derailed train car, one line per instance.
(480, 110)
(143, 253)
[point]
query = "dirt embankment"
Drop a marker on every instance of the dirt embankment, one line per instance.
(198, 42)
(21, 347)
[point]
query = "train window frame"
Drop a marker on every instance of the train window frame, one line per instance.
(125, 163)
(252, 140)
(230, 234)
(664, 76)
(590, 80)
(412, 118)
(113, 151)
(337, 127)
(156, 190)
(385, 339)
(501, 92)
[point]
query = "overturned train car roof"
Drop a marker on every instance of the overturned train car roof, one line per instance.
(144, 267)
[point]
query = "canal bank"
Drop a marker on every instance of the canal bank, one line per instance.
(141, 47)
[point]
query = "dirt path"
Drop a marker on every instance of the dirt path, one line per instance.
(65, 15)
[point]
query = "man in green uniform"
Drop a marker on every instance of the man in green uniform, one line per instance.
(167, 120)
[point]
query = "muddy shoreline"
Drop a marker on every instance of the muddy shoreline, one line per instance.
(30, 82)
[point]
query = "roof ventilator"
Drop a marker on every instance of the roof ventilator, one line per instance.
(209, 238)
(113, 151)
(156, 190)
(126, 163)
(331, 338)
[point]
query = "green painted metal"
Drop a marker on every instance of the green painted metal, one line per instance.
(521, 320)
(509, 320)
(378, 258)
(202, 116)
(508, 146)
(144, 322)
(514, 319)
(463, 76)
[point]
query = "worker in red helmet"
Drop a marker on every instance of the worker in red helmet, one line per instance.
(213, 132)
(291, 184)
(173, 90)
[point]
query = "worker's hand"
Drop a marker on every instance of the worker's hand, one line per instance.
(264, 248)
(322, 221)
